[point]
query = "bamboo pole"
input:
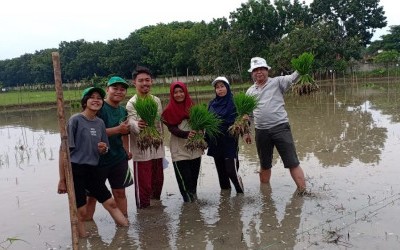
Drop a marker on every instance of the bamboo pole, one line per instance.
(64, 150)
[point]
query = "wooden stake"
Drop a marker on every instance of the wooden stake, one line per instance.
(64, 150)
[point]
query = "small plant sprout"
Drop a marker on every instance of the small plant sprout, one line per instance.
(10, 241)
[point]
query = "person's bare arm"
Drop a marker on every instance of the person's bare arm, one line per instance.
(125, 141)
(62, 185)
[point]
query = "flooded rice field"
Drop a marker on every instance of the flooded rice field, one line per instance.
(348, 143)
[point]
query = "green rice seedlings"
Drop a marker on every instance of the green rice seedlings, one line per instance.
(201, 120)
(245, 104)
(146, 108)
(303, 65)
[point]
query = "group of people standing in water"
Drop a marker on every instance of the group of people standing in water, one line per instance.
(103, 139)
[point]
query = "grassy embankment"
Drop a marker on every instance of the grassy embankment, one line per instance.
(17, 100)
(33, 99)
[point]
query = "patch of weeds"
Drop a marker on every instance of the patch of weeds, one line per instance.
(371, 85)
(334, 237)
(4, 160)
(22, 153)
(9, 241)
(41, 150)
(305, 193)
(75, 104)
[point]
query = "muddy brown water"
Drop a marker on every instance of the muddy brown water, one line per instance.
(349, 146)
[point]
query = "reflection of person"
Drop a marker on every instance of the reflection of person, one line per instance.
(227, 232)
(153, 229)
(271, 228)
(192, 231)
(271, 122)
(114, 165)
(113, 238)
(147, 164)
(87, 139)
(186, 163)
(291, 221)
(224, 147)
(120, 240)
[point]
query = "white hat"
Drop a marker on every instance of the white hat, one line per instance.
(220, 79)
(258, 62)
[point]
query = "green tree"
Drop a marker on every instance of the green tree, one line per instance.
(259, 22)
(357, 18)
(81, 59)
(21, 74)
(391, 41)
(125, 55)
(373, 48)
(90, 60)
(187, 40)
(171, 47)
(68, 53)
(387, 58)
(292, 16)
(213, 53)
(160, 45)
(41, 67)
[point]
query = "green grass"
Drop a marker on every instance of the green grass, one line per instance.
(34, 97)
(16, 98)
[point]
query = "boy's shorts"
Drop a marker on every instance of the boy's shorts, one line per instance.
(118, 175)
(280, 137)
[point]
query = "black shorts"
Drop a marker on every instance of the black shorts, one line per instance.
(118, 175)
(280, 137)
(86, 179)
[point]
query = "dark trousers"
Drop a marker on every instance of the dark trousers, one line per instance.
(280, 137)
(187, 174)
(227, 169)
(149, 180)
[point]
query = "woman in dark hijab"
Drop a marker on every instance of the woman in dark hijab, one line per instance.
(224, 147)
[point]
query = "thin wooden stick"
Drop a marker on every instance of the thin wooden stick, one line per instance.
(64, 150)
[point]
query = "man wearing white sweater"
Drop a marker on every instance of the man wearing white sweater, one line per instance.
(271, 122)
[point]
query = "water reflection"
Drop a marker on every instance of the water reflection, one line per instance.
(336, 138)
(22, 147)
(226, 232)
(280, 234)
(336, 130)
(333, 138)
(191, 229)
(346, 130)
(152, 228)
(270, 221)
(119, 240)
(37, 120)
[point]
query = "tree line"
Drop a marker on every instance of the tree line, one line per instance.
(337, 32)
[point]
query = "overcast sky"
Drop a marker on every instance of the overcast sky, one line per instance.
(27, 26)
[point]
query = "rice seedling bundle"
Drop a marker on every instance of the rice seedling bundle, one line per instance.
(245, 104)
(303, 65)
(201, 120)
(146, 108)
